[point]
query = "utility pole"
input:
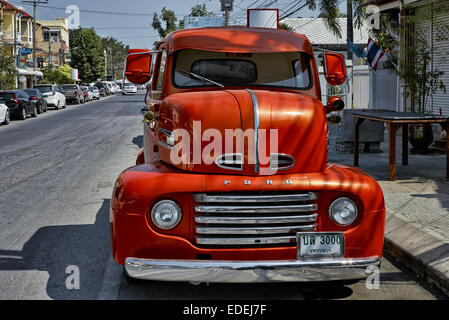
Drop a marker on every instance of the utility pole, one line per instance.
(35, 4)
(227, 6)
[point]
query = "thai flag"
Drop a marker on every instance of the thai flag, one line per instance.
(374, 54)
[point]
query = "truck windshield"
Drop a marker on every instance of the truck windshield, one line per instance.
(280, 69)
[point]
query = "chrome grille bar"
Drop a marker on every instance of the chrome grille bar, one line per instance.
(255, 220)
(257, 209)
(245, 241)
(210, 198)
(254, 230)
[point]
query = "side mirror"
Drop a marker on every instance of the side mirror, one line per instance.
(334, 104)
(138, 66)
(334, 68)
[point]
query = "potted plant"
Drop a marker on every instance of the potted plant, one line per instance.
(422, 81)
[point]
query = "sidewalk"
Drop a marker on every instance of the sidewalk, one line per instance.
(417, 203)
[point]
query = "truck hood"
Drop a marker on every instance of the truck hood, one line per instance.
(243, 132)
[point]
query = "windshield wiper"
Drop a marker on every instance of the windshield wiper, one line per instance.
(202, 78)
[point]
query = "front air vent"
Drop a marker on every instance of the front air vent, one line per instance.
(279, 161)
(231, 161)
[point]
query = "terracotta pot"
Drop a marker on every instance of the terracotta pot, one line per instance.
(420, 136)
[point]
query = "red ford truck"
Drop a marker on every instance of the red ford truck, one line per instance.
(233, 183)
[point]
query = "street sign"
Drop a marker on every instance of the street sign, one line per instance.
(25, 51)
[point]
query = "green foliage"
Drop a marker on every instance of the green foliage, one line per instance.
(329, 11)
(116, 52)
(8, 70)
(165, 23)
(423, 80)
(61, 75)
(87, 54)
(285, 26)
(200, 10)
(169, 18)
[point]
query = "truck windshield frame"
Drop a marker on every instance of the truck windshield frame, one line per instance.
(295, 81)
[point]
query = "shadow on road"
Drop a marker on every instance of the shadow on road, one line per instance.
(55, 248)
(138, 141)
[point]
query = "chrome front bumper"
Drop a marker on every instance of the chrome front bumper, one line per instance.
(250, 271)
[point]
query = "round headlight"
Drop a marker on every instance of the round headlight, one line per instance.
(343, 211)
(166, 214)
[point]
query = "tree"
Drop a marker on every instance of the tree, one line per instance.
(116, 52)
(87, 54)
(61, 75)
(355, 14)
(8, 70)
(200, 10)
(285, 26)
(169, 18)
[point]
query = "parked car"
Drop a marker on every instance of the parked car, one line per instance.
(102, 87)
(19, 103)
(95, 92)
(74, 93)
(53, 95)
(37, 97)
(4, 113)
(109, 88)
(87, 93)
(129, 88)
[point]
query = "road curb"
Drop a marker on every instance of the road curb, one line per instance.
(426, 255)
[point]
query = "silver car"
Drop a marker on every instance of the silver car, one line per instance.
(95, 92)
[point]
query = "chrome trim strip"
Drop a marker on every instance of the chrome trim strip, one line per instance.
(256, 128)
(220, 157)
(245, 241)
(165, 145)
(257, 209)
(203, 197)
(282, 155)
(166, 132)
(255, 220)
(312, 269)
(253, 230)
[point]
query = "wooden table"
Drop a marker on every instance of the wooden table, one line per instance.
(394, 120)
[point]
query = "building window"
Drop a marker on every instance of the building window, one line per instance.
(53, 35)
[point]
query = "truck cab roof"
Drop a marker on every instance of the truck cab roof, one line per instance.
(237, 40)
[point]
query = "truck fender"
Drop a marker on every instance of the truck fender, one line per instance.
(140, 157)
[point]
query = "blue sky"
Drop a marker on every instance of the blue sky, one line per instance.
(133, 25)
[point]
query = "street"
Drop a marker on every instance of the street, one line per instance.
(56, 177)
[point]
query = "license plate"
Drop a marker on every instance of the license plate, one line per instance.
(320, 244)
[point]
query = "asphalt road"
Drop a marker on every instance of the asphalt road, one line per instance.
(56, 179)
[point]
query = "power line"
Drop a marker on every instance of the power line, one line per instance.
(105, 12)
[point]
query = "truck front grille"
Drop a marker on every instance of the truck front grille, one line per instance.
(253, 219)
